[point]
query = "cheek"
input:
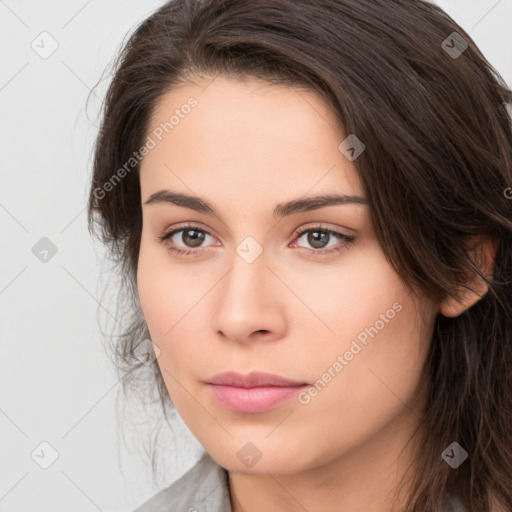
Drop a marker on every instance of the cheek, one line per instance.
(380, 336)
(380, 378)
(162, 288)
(164, 302)
(346, 297)
(170, 297)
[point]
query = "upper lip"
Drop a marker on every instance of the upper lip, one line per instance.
(252, 379)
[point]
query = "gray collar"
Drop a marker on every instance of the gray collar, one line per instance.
(203, 488)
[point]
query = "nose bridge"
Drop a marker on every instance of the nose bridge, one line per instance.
(244, 297)
(244, 286)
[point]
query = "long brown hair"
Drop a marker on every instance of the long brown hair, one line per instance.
(434, 116)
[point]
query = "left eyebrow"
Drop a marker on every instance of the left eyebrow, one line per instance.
(281, 210)
(313, 203)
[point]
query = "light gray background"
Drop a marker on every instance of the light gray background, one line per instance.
(57, 385)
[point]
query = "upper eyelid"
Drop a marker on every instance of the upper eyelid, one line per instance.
(297, 232)
(169, 233)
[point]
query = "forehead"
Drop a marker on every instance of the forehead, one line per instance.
(227, 134)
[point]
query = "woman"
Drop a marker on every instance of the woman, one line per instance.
(310, 203)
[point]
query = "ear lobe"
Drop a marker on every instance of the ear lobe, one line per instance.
(483, 251)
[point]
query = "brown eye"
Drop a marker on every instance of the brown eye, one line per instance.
(192, 237)
(189, 243)
(318, 238)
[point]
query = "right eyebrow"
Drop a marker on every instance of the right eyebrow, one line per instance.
(316, 202)
(192, 202)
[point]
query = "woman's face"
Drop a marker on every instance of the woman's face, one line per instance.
(253, 295)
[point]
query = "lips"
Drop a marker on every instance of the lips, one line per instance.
(253, 379)
(254, 392)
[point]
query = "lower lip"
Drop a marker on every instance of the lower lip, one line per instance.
(258, 399)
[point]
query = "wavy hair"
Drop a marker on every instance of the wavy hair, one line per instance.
(437, 171)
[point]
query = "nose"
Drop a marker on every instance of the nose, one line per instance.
(250, 302)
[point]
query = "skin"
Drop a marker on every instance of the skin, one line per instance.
(246, 147)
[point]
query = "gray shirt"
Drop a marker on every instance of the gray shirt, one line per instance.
(204, 488)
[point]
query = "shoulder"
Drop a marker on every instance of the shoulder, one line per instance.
(203, 487)
(455, 505)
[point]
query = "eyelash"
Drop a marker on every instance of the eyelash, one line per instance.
(346, 239)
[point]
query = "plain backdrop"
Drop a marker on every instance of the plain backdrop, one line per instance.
(58, 387)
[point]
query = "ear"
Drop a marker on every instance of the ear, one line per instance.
(483, 251)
